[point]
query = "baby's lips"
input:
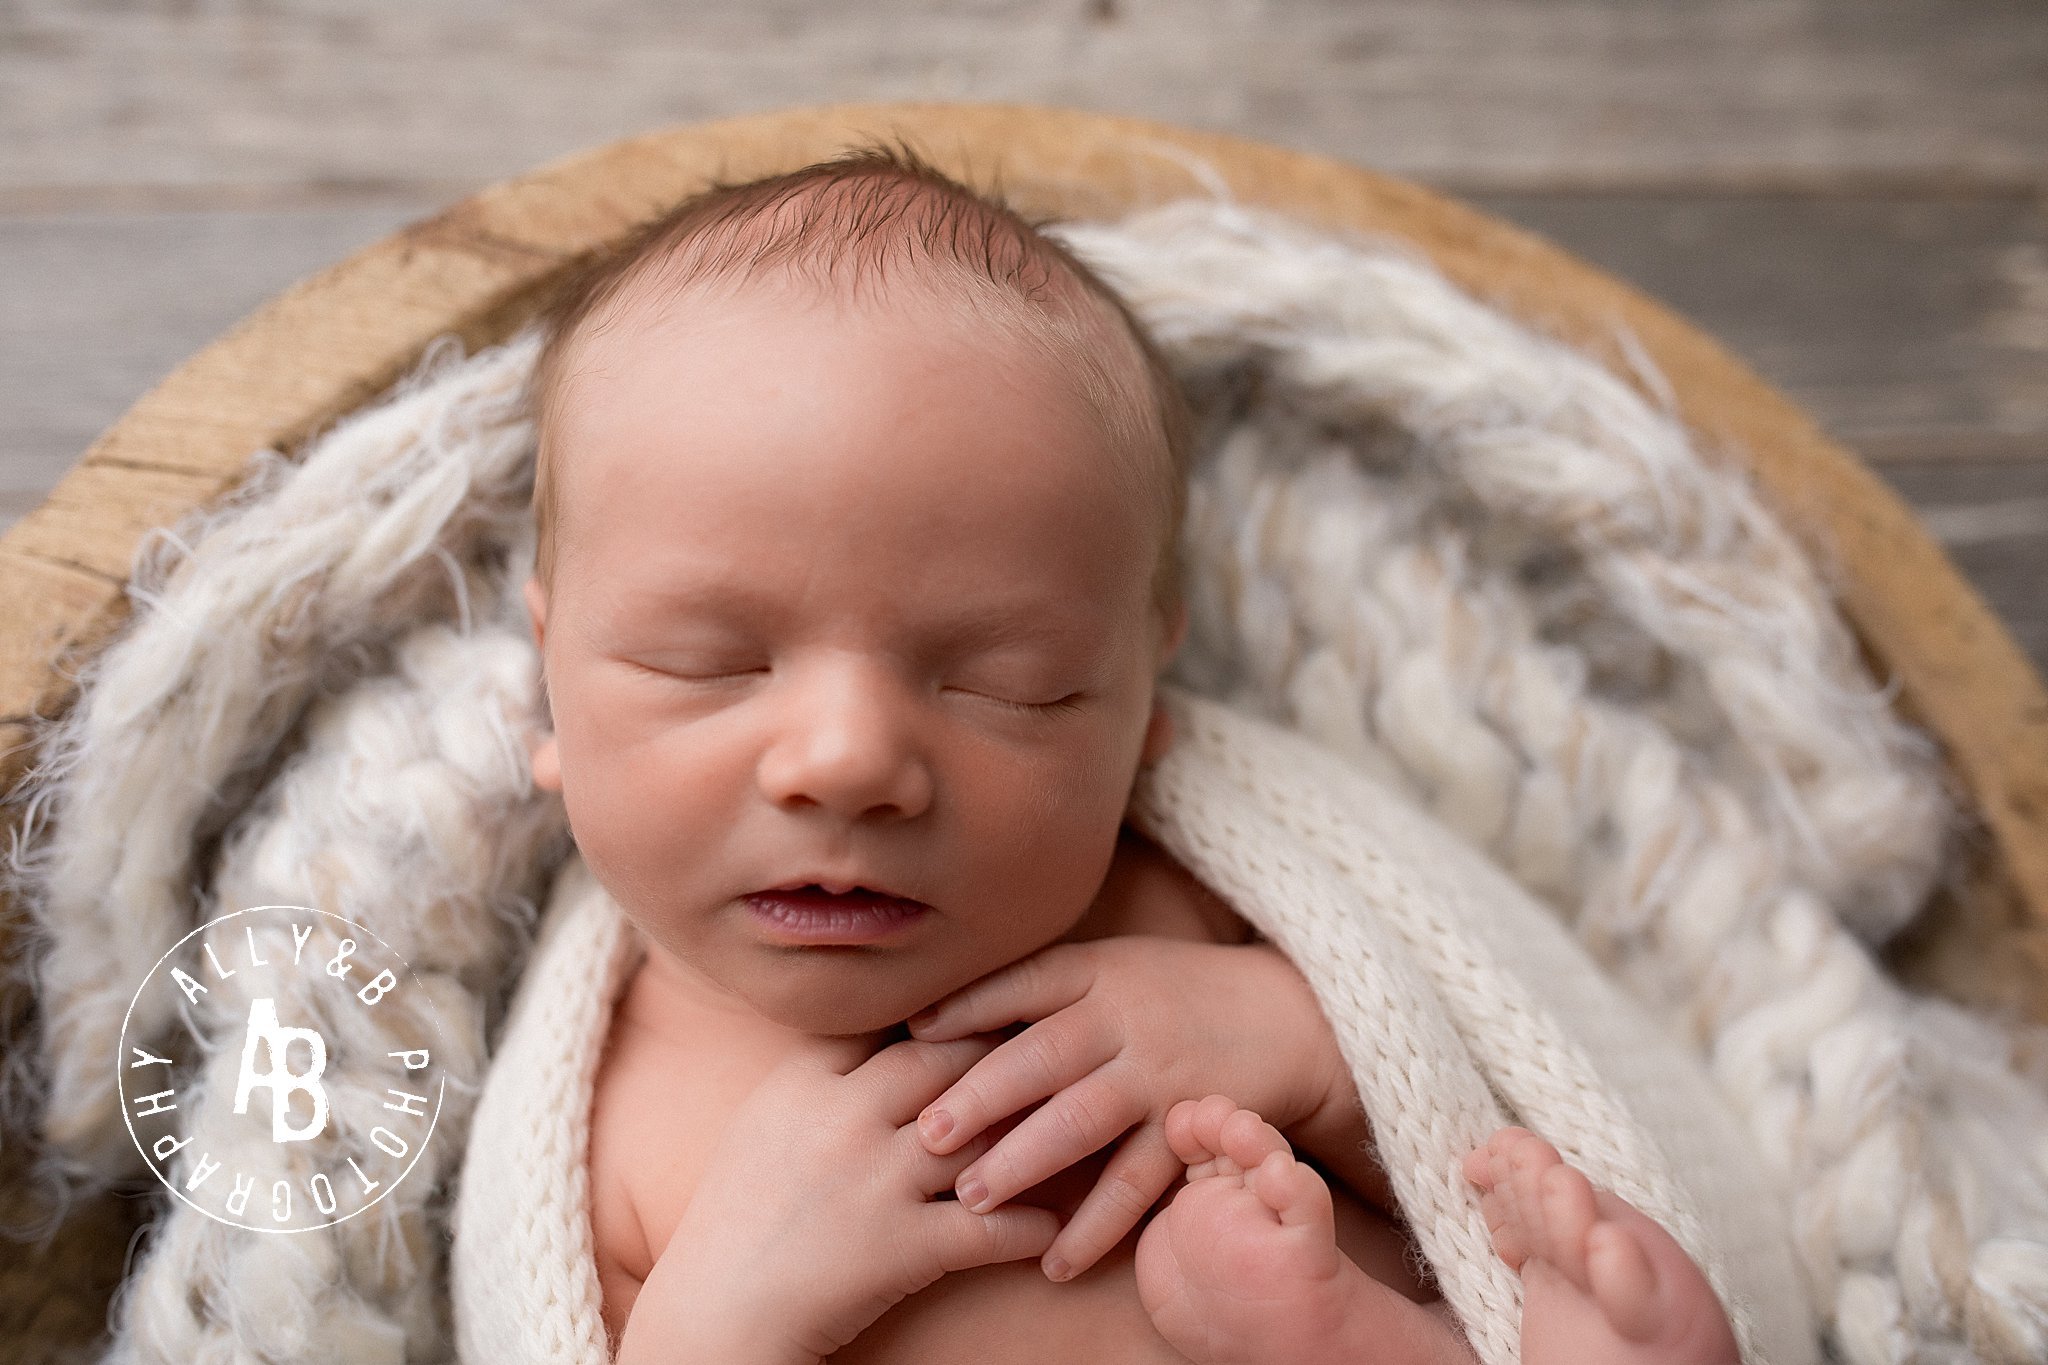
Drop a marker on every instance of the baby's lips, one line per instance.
(837, 886)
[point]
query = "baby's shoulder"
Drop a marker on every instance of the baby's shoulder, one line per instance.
(1153, 893)
(664, 1089)
(671, 1076)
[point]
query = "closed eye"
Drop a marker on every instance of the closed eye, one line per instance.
(674, 675)
(1070, 702)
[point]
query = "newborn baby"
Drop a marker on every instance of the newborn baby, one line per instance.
(858, 510)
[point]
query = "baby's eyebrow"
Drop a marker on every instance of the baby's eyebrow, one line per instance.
(1028, 627)
(1024, 620)
(718, 599)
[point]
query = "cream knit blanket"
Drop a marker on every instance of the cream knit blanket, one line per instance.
(1461, 566)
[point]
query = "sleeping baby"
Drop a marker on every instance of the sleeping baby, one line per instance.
(858, 509)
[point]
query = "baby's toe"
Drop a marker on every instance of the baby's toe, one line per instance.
(1248, 1139)
(1503, 1220)
(1518, 1178)
(1294, 1191)
(1197, 1138)
(1498, 1147)
(1566, 1218)
(1181, 1134)
(1523, 1151)
(1623, 1282)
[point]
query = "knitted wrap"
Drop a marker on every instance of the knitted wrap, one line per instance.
(1480, 572)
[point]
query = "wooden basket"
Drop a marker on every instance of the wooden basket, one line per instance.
(483, 266)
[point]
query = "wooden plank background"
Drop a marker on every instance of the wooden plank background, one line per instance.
(1852, 193)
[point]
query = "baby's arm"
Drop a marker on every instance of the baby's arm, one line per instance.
(1337, 1131)
(815, 1215)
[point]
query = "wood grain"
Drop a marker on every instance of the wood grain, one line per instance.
(101, 97)
(1991, 516)
(1911, 324)
(101, 306)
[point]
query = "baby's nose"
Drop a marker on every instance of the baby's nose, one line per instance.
(849, 752)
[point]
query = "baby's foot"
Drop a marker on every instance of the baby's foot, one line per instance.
(1602, 1284)
(1243, 1265)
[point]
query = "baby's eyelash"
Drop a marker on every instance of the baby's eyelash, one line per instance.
(1068, 703)
(672, 676)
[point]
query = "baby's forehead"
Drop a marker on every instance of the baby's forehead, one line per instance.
(654, 328)
(657, 311)
(780, 325)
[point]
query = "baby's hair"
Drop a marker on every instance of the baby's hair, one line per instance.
(844, 223)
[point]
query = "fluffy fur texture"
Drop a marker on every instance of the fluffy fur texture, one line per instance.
(1469, 561)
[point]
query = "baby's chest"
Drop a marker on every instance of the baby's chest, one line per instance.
(656, 1118)
(658, 1114)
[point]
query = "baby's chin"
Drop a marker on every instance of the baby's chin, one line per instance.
(840, 995)
(838, 1018)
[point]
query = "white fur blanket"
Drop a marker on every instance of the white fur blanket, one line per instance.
(1468, 567)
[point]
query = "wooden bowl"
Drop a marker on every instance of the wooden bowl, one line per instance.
(483, 266)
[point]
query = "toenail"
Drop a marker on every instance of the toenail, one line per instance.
(974, 1195)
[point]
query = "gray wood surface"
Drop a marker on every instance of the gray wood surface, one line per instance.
(1913, 324)
(95, 307)
(1503, 93)
(1850, 193)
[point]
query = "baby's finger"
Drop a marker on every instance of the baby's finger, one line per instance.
(958, 1240)
(1143, 1168)
(934, 1175)
(1052, 1053)
(1083, 1118)
(1023, 992)
(902, 1077)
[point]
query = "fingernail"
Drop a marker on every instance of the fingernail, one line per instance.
(1057, 1270)
(922, 1019)
(973, 1194)
(935, 1125)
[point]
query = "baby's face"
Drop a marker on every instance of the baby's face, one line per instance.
(841, 593)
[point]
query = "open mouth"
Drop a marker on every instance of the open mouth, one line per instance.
(811, 914)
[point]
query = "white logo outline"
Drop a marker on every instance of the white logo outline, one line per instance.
(431, 1014)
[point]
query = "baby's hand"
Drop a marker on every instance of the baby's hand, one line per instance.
(815, 1214)
(1128, 1027)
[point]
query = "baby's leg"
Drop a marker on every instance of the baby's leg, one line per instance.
(1243, 1265)
(1602, 1284)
